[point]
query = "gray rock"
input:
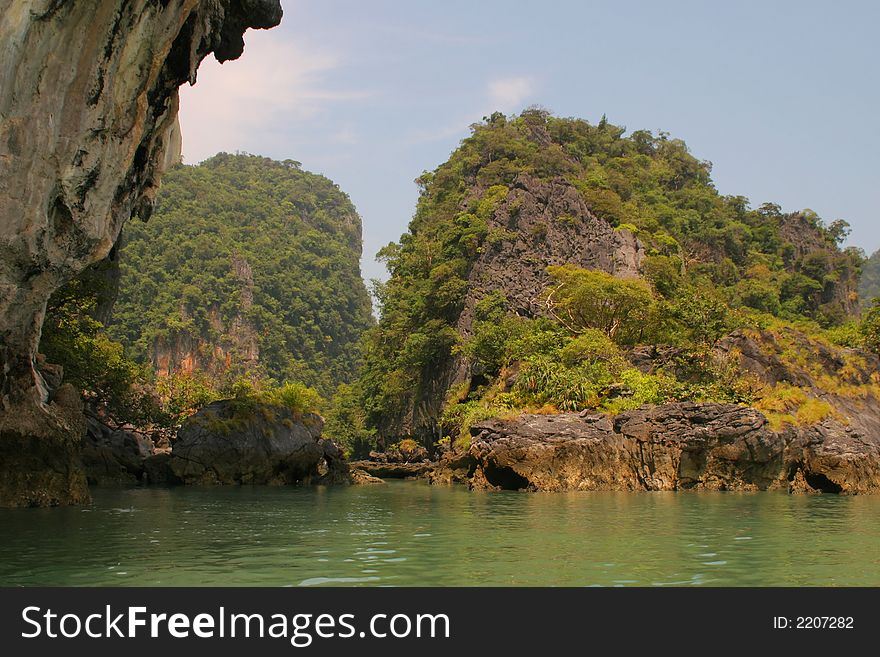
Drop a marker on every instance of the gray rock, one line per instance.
(228, 442)
(541, 223)
(385, 470)
(360, 477)
(114, 456)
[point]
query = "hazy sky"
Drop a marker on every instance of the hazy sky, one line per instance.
(782, 97)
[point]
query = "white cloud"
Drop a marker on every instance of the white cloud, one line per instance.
(508, 94)
(273, 84)
(502, 95)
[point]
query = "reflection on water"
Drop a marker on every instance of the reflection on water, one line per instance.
(409, 533)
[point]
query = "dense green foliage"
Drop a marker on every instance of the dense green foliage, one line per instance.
(712, 261)
(243, 245)
(122, 391)
(579, 361)
(581, 300)
(869, 329)
(869, 285)
(238, 246)
(345, 422)
(94, 363)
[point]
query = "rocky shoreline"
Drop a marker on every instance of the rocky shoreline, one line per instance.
(683, 446)
(675, 447)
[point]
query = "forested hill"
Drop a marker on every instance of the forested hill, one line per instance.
(248, 266)
(493, 278)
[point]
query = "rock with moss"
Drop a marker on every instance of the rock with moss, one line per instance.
(540, 229)
(246, 442)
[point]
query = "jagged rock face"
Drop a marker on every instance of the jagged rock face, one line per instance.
(539, 224)
(238, 342)
(114, 456)
(545, 223)
(759, 353)
(671, 447)
(88, 106)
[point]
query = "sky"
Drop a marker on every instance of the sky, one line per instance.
(782, 97)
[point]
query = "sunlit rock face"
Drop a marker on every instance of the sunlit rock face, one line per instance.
(88, 111)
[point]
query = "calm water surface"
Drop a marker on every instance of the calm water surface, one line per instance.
(409, 533)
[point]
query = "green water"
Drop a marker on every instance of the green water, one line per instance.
(409, 533)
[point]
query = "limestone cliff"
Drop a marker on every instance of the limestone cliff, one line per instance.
(248, 267)
(544, 223)
(469, 292)
(540, 223)
(88, 105)
(238, 343)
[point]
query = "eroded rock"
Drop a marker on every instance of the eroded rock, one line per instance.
(540, 223)
(44, 471)
(671, 447)
(88, 107)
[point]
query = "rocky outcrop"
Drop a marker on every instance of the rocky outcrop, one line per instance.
(182, 352)
(404, 460)
(360, 477)
(44, 471)
(769, 357)
(540, 223)
(230, 442)
(88, 105)
(238, 342)
(113, 457)
(672, 447)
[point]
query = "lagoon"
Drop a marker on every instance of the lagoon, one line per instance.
(413, 534)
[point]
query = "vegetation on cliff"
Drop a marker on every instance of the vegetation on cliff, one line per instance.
(122, 391)
(244, 284)
(869, 285)
(248, 267)
(711, 264)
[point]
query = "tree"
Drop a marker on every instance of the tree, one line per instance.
(95, 364)
(838, 231)
(346, 422)
(870, 327)
(582, 299)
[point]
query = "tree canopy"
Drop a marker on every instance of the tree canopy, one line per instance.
(245, 249)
